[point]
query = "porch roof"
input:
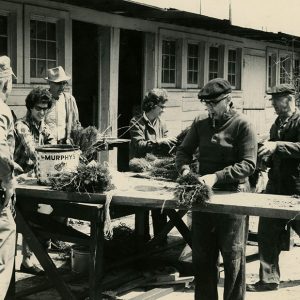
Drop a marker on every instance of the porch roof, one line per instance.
(133, 9)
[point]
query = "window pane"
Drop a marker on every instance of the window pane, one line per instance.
(33, 68)
(3, 45)
(51, 64)
(33, 48)
(51, 31)
(51, 50)
(232, 65)
(213, 62)
(3, 35)
(168, 61)
(3, 25)
(33, 29)
(41, 68)
(41, 49)
(41, 30)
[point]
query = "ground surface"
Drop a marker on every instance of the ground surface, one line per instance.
(289, 262)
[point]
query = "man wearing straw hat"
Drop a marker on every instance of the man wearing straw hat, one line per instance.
(7, 182)
(63, 114)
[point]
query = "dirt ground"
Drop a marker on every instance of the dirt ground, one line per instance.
(289, 263)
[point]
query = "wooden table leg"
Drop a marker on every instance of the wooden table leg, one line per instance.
(43, 257)
(180, 225)
(96, 257)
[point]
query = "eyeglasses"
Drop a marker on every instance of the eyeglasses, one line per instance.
(39, 108)
(161, 106)
(212, 102)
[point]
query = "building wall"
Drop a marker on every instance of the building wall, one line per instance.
(183, 105)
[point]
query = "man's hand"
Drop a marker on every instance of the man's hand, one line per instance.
(209, 179)
(267, 148)
(9, 185)
(185, 172)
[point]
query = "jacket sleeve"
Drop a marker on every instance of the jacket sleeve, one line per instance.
(6, 164)
(138, 140)
(184, 153)
(247, 155)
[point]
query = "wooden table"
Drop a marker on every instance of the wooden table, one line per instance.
(138, 194)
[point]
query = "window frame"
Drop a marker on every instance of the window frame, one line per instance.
(7, 36)
(63, 37)
(177, 55)
(14, 14)
(198, 44)
(289, 61)
(238, 71)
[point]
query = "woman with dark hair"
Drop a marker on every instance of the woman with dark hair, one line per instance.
(149, 135)
(148, 132)
(31, 131)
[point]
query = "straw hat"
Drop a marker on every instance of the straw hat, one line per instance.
(57, 74)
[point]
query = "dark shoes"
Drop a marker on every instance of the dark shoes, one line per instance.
(262, 287)
(34, 270)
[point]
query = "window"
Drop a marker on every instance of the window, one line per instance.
(3, 35)
(272, 57)
(213, 68)
(193, 64)
(284, 75)
(168, 62)
(43, 53)
(296, 73)
(232, 67)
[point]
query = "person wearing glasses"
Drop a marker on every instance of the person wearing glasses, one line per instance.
(227, 148)
(63, 114)
(30, 132)
(149, 135)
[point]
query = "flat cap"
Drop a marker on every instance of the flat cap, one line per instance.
(214, 89)
(282, 89)
(5, 68)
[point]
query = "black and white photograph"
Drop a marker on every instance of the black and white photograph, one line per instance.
(149, 149)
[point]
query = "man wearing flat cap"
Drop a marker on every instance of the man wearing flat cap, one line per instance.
(7, 182)
(63, 115)
(227, 156)
(283, 159)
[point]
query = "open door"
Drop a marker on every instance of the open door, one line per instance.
(130, 87)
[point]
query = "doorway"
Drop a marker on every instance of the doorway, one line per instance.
(85, 71)
(130, 87)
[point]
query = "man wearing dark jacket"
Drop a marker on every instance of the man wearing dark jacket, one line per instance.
(227, 156)
(283, 158)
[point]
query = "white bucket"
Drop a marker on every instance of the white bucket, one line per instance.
(53, 159)
(80, 256)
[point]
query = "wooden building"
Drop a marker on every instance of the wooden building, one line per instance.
(116, 50)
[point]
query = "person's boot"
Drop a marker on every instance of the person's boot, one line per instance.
(262, 287)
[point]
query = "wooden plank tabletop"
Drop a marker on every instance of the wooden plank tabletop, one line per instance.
(153, 193)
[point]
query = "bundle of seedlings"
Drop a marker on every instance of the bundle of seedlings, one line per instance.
(164, 168)
(143, 164)
(89, 139)
(190, 191)
(91, 178)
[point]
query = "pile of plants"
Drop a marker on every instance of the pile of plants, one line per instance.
(90, 178)
(189, 191)
(89, 139)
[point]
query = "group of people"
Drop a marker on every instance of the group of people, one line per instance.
(227, 151)
(51, 114)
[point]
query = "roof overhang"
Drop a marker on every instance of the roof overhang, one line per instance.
(133, 9)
